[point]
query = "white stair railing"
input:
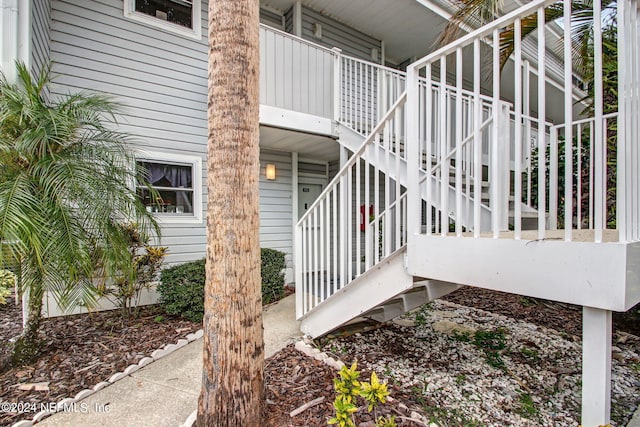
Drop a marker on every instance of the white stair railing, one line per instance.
(446, 145)
(358, 220)
(628, 131)
(471, 137)
(365, 93)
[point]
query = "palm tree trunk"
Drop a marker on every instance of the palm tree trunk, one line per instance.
(26, 347)
(232, 378)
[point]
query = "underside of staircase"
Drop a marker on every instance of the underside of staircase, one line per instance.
(380, 294)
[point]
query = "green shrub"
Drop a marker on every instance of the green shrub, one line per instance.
(182, 290)
(272, 272)
(7, 282)
(182, 287)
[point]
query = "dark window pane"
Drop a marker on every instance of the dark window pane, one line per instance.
(170, 201)
(164, 175)
(173, 184)
(174, 11)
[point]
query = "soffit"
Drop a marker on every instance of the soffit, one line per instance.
(315, 147)
(407, 27)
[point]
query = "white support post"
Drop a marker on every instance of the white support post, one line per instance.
(553, 179)
(9, 31)
(503, 162)
(382, 103)
(495, 164)
(297, 18)
(337, 83)
(297, 236)
(8, 42)
(344, 156)
(414, 200)
(596, 367)
(24, 32)
(15, 45)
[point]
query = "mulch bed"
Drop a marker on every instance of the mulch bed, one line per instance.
(559, 316)
(83, 350)
(294, 379)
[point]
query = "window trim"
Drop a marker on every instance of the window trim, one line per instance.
(196, 19)
(196, 170)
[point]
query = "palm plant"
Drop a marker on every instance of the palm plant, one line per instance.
(65, 183)
(473, 13)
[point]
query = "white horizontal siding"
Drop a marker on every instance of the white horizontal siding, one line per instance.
(271, 18)
(336, 34)
(160, 78)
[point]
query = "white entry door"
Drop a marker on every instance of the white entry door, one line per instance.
(307, 194)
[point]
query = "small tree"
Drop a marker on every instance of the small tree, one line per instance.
(65, 183)
(138, 274)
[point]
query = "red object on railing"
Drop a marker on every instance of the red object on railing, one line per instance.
(364, 221)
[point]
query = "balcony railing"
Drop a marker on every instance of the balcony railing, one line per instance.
(583, 174)
(299, 75)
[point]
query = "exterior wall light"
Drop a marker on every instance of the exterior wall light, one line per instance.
(270, 172)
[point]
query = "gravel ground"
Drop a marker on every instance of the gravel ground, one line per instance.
(467, 367)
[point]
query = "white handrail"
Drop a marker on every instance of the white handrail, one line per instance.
(356, 156)
(518, 145)
(483, 31)
(331, 250)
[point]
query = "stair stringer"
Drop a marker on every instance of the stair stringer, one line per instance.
(383, 292)
(352, 140)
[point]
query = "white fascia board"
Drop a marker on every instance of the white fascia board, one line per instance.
(293, 120)
(599, 275)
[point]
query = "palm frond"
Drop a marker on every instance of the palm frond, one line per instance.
(65, 183)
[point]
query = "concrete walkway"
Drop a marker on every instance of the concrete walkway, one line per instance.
(165, 392)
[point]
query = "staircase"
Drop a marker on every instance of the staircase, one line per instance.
(454, 186)
(346, 249)
(354, 236)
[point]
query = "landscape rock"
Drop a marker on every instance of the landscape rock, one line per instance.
(145, 361)
(450, 328)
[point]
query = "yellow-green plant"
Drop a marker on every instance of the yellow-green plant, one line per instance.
(347, 385)
(344, 413)
(7, 282)
(374, 392)
(349, 388)
(386, 422)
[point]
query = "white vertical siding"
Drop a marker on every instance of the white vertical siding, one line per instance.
(295, 75)
(275, 207)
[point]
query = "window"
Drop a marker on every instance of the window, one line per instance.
(179, 16)
(178, 182)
